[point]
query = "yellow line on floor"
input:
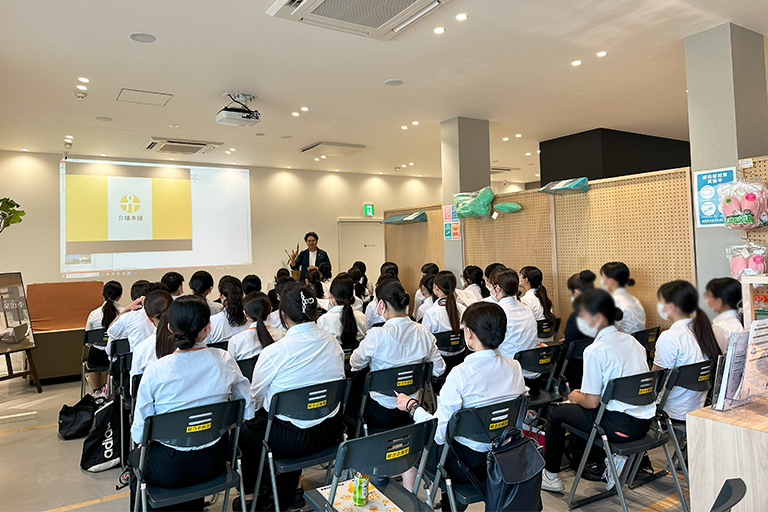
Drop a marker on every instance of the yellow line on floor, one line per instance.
(29, 428)
(88, 503)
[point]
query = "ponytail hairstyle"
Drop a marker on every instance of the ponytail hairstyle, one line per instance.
(360, 265)
(111, 292)
(392, 293)
(258, 306)
(428, 282)
(200, 282)
(298, 303)
(726, 289)
(343, 289)
(488, 322)
(389, 268)
(598, 302)
(315, 279)
(685, 298)
(187, 317)
(583, 281)
(506, 279)
(430, 268)
(357, 277)
(535, 278)
(474, 275)
(619, 272)
(232, 290)
(139, 289)
(156, 305)
(445, 281)
(325, 270)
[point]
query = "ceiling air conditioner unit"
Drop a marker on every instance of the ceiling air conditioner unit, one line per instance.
(377, 19)
(180, 146)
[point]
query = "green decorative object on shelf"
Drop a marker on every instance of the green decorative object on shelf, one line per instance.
(508, 207)
(478, 206)
(10, 213)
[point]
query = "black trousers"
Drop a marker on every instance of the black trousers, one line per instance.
(379, 418)
(618, 426)
(166, 467)
(472, 460)
(287, 441)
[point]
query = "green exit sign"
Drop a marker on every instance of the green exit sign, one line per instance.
(368, 210)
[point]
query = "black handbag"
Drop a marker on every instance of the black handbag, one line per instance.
(75, 421)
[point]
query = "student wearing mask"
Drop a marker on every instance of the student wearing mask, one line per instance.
(343, 322)
(724, 297)
(250, 342)
(274, 319)
(307, 355)
(201, 284)
(174, 282)
(251, 284)
(485, 377)
(388, 270)
(614, 278)
(398, 342)
(360, 295)
(100, 318)
(689, 340)
(191, 376)
(157, 344)
(281, 272)
(577, 284)
(132, 324)
(473, 282)
(535, 295)
(445, 314)
(613, 354)
(427, 269)
(360, 265)
(490, 269)
(232, 320)
(426, 285)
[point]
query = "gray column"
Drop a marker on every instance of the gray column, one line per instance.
(466, 164)
(727, 118)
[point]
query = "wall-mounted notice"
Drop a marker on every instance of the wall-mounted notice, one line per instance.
(451, 230)
(708, 212)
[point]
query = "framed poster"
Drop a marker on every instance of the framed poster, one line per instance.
(705, 200)
(15, 330)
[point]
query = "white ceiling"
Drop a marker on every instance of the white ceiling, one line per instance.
(510, 62)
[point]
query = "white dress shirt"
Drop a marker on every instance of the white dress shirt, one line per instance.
(312, 258)
(307, 355)
(96, 318)
(634, 314)
(273, 320)
(357, 304)
(521, 330)
(215, 307)
(723, 325)
(424, 307)
(418, 300)
(530, 299)
(490, 299)
(677, 346)
(371, 317)
(436, 317)
(189, 378)
(615, 354)
(484, 378)
(331, 322)
(221, 330)
(133, 325)
(144, 353)
(398, 342)
(246, 344)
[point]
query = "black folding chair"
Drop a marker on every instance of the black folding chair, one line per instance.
(247, 366)
(453, 349)
(219, 344)
(546, 329)
(196, 426)
(542, 360)
(406, 379)
(307, 403)
(732, 492)
(135, 382)
(574, 351)
(92, 338)
(637, 390)
(384, 454)
(647, 339)
(480, 424)
(120, 370)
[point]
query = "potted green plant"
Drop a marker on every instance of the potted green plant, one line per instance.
(10, 213)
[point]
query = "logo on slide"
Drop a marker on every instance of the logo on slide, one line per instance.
(130, 203)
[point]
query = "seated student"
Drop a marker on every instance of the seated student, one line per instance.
(274, 319)
(426, 285)
(485, 377)
(388, 269)
(201, 284)
(232, 320)
(343, 322)
(132, 324)
(398, 342)
(174, 282)
(490, 269)
(251, 283)
(360, 290)
(473, 282)
(249, 343)
(427, 269)
(689, 340)
(281, 272)
(157, 344)
(360, 265)
(614, 278)
(724, 297)
(445, 314)
(307, 355)
(535, 295)
(100, 318)
(613, 354)
(191, 376)
(315, 280)
(577, 284)
(326, 275)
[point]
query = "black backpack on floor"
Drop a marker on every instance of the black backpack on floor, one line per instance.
(101, 449)
(75, 421)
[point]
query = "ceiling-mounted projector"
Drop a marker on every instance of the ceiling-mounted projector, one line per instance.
(237, 112)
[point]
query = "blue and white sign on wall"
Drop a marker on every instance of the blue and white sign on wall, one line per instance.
(708, 212)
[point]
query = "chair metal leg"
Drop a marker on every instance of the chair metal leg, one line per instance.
(226, 499)
(675, 479)
(634, 462)
(122, 434)
(137, 498)
(451, 497)
(242, 487)
(258, 479)
(328, 473)
(678, 452)
(582, 465)
(144, 497)
(82, 380)
(616, 476)
(274, 482)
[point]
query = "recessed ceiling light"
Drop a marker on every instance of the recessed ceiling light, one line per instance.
(295, 114)
(68, 140)
(602, 54)
(317, 159)
(228, 152)
(527, 154)
(415, 123)
(234, 163)
(103, 154)
(68, 137)
(505, 139)
(461, 17)
(304, 109)
(231, 149)
(410, 163)
(82, 87)
(518, 135)
(173, 126)
(519, 181)
(287, 166)
(419, 175)
(84, 80)
(104, 119)
(536, 175)
(323, 157)
(404, 127)
(171, 159)
(439, 30)
(538, 151)
(381, 173)
(24, 149)
(141, 37)
(576, 63)
(336, 170)
(393, 82)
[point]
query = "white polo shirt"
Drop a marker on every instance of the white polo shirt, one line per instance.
(331, 322)
(418, 300)
(677, 346)
(723, 325)
(371, 317)
(221, 330)
(133, 325)
(521, 330)
(615, 354)
(424, 307)
(144, 353)
(273, 320)
(634, 314)
(96, 318)
(436, 317)
(530, 299)
(246, 344)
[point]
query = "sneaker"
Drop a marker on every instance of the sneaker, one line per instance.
(619, 461)
(593, 472)
(124, 479)
(551, 484)
(646, 467)
(237, 505)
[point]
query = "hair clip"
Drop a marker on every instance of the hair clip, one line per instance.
(306, 301)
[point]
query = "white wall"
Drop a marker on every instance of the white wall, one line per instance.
(498, 187)
(285, 204)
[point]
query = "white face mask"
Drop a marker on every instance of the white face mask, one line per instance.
(604, 284)
(585, 328)
(573, 298)
(663, 314)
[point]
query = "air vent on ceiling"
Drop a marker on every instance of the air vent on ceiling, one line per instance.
(180, 146)
(377, 19)
(331, 149)
(500, 170)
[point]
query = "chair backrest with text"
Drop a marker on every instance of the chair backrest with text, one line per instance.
(484, 424)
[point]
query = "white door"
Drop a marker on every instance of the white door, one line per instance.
(361, 241)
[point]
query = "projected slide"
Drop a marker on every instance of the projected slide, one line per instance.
(119, 216)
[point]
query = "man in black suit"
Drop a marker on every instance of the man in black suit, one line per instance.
(309, 258)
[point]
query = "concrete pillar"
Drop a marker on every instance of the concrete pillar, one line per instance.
(727, 118)
(466, 165)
